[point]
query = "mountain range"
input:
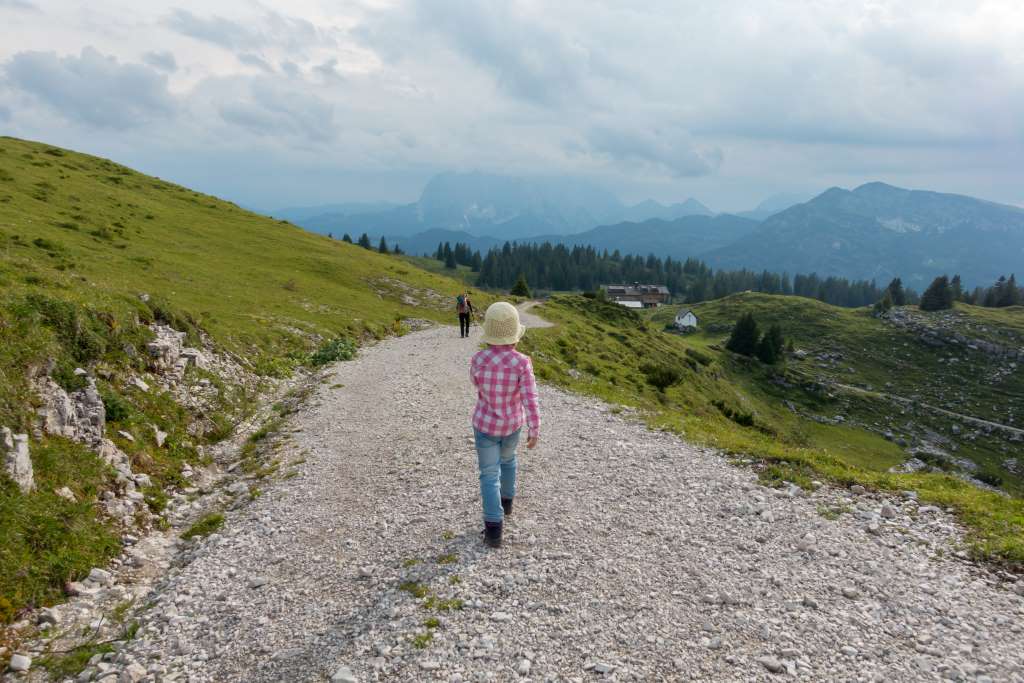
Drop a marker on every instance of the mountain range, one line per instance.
(878, 231)
(490, 205)
(875, 231)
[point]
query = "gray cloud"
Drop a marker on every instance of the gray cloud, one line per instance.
(250, 59)
(93, 88)
(269, 107)
(529, 59)
(5, 113)
(216, 30)
(727, 101)
(161, 60)
(670, 150)
(271, 29)
(19, 5)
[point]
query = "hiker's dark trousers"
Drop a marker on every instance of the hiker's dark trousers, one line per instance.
(463, 324)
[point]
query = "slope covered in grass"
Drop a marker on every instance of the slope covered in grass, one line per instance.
(690, 385)
(91, 253)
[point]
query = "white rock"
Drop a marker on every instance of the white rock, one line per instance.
(66, 493)
(343, 675)
(159, 435)
(20, 662)
(888, 511)
(501, 616)
(133, 673)
(524, 667)
(101, 576)
(139, 384)
(771, 663)
(125, 435)
(16, 459)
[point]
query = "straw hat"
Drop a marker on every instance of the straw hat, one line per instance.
(501, 324)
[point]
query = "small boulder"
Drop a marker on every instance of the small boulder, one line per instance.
(16, 459)
(66, 493)
(20, 662)
(101, 576)
(343, 675)
(771, 663)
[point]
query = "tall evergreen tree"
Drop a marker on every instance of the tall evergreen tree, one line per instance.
(346, 238)
(397, 251)
(745, 336)
(364, 241)
(770, 348)
(938, 296)
(383, 246)
(449, 260)
(957, 288)
(899, 297)
(521, 288)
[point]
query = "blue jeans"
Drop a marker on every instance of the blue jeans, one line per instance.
(496, 456)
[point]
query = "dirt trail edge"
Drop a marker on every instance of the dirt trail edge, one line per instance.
(632, 555)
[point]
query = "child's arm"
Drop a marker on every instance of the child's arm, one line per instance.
(531, 402)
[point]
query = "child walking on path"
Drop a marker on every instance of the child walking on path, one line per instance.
(506, 399)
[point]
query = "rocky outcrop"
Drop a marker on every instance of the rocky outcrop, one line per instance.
(168, 354)
(16, 459)
(79, 416)
(948, 330)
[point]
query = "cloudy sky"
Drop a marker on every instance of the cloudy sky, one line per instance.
(306, 102)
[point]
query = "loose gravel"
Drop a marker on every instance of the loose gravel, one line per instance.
(631, 555)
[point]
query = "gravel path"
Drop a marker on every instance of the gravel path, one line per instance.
(631, 556)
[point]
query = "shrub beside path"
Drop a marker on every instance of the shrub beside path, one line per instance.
(632, 555)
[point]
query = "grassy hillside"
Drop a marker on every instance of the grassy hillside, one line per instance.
(81, 239)
(688, 384)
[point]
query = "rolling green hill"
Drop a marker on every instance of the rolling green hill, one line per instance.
(92, 252)
(811, 419)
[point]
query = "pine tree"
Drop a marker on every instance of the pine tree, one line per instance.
(346, 238)
(477, 262)
(745, 336)
(449, 260)
(330, 235)
(938, 296)
(364, 241)
(957, 288)
(397, 251)
(520, 288)
(1010, 294)
(769, 349)
(439, 254)
(383, 246)
(899, 297)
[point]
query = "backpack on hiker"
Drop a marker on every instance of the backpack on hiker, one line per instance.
(462, 304)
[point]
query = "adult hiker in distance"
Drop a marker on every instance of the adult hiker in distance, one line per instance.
(464, 306)
(506, 401)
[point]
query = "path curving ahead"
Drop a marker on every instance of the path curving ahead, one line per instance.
(631, 556)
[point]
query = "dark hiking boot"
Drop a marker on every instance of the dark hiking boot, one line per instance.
(506, 505)
(492, 534)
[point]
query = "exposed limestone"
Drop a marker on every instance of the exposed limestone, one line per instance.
(17, 461)
(79, 416)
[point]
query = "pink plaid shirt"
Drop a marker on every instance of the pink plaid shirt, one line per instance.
(506, 391)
